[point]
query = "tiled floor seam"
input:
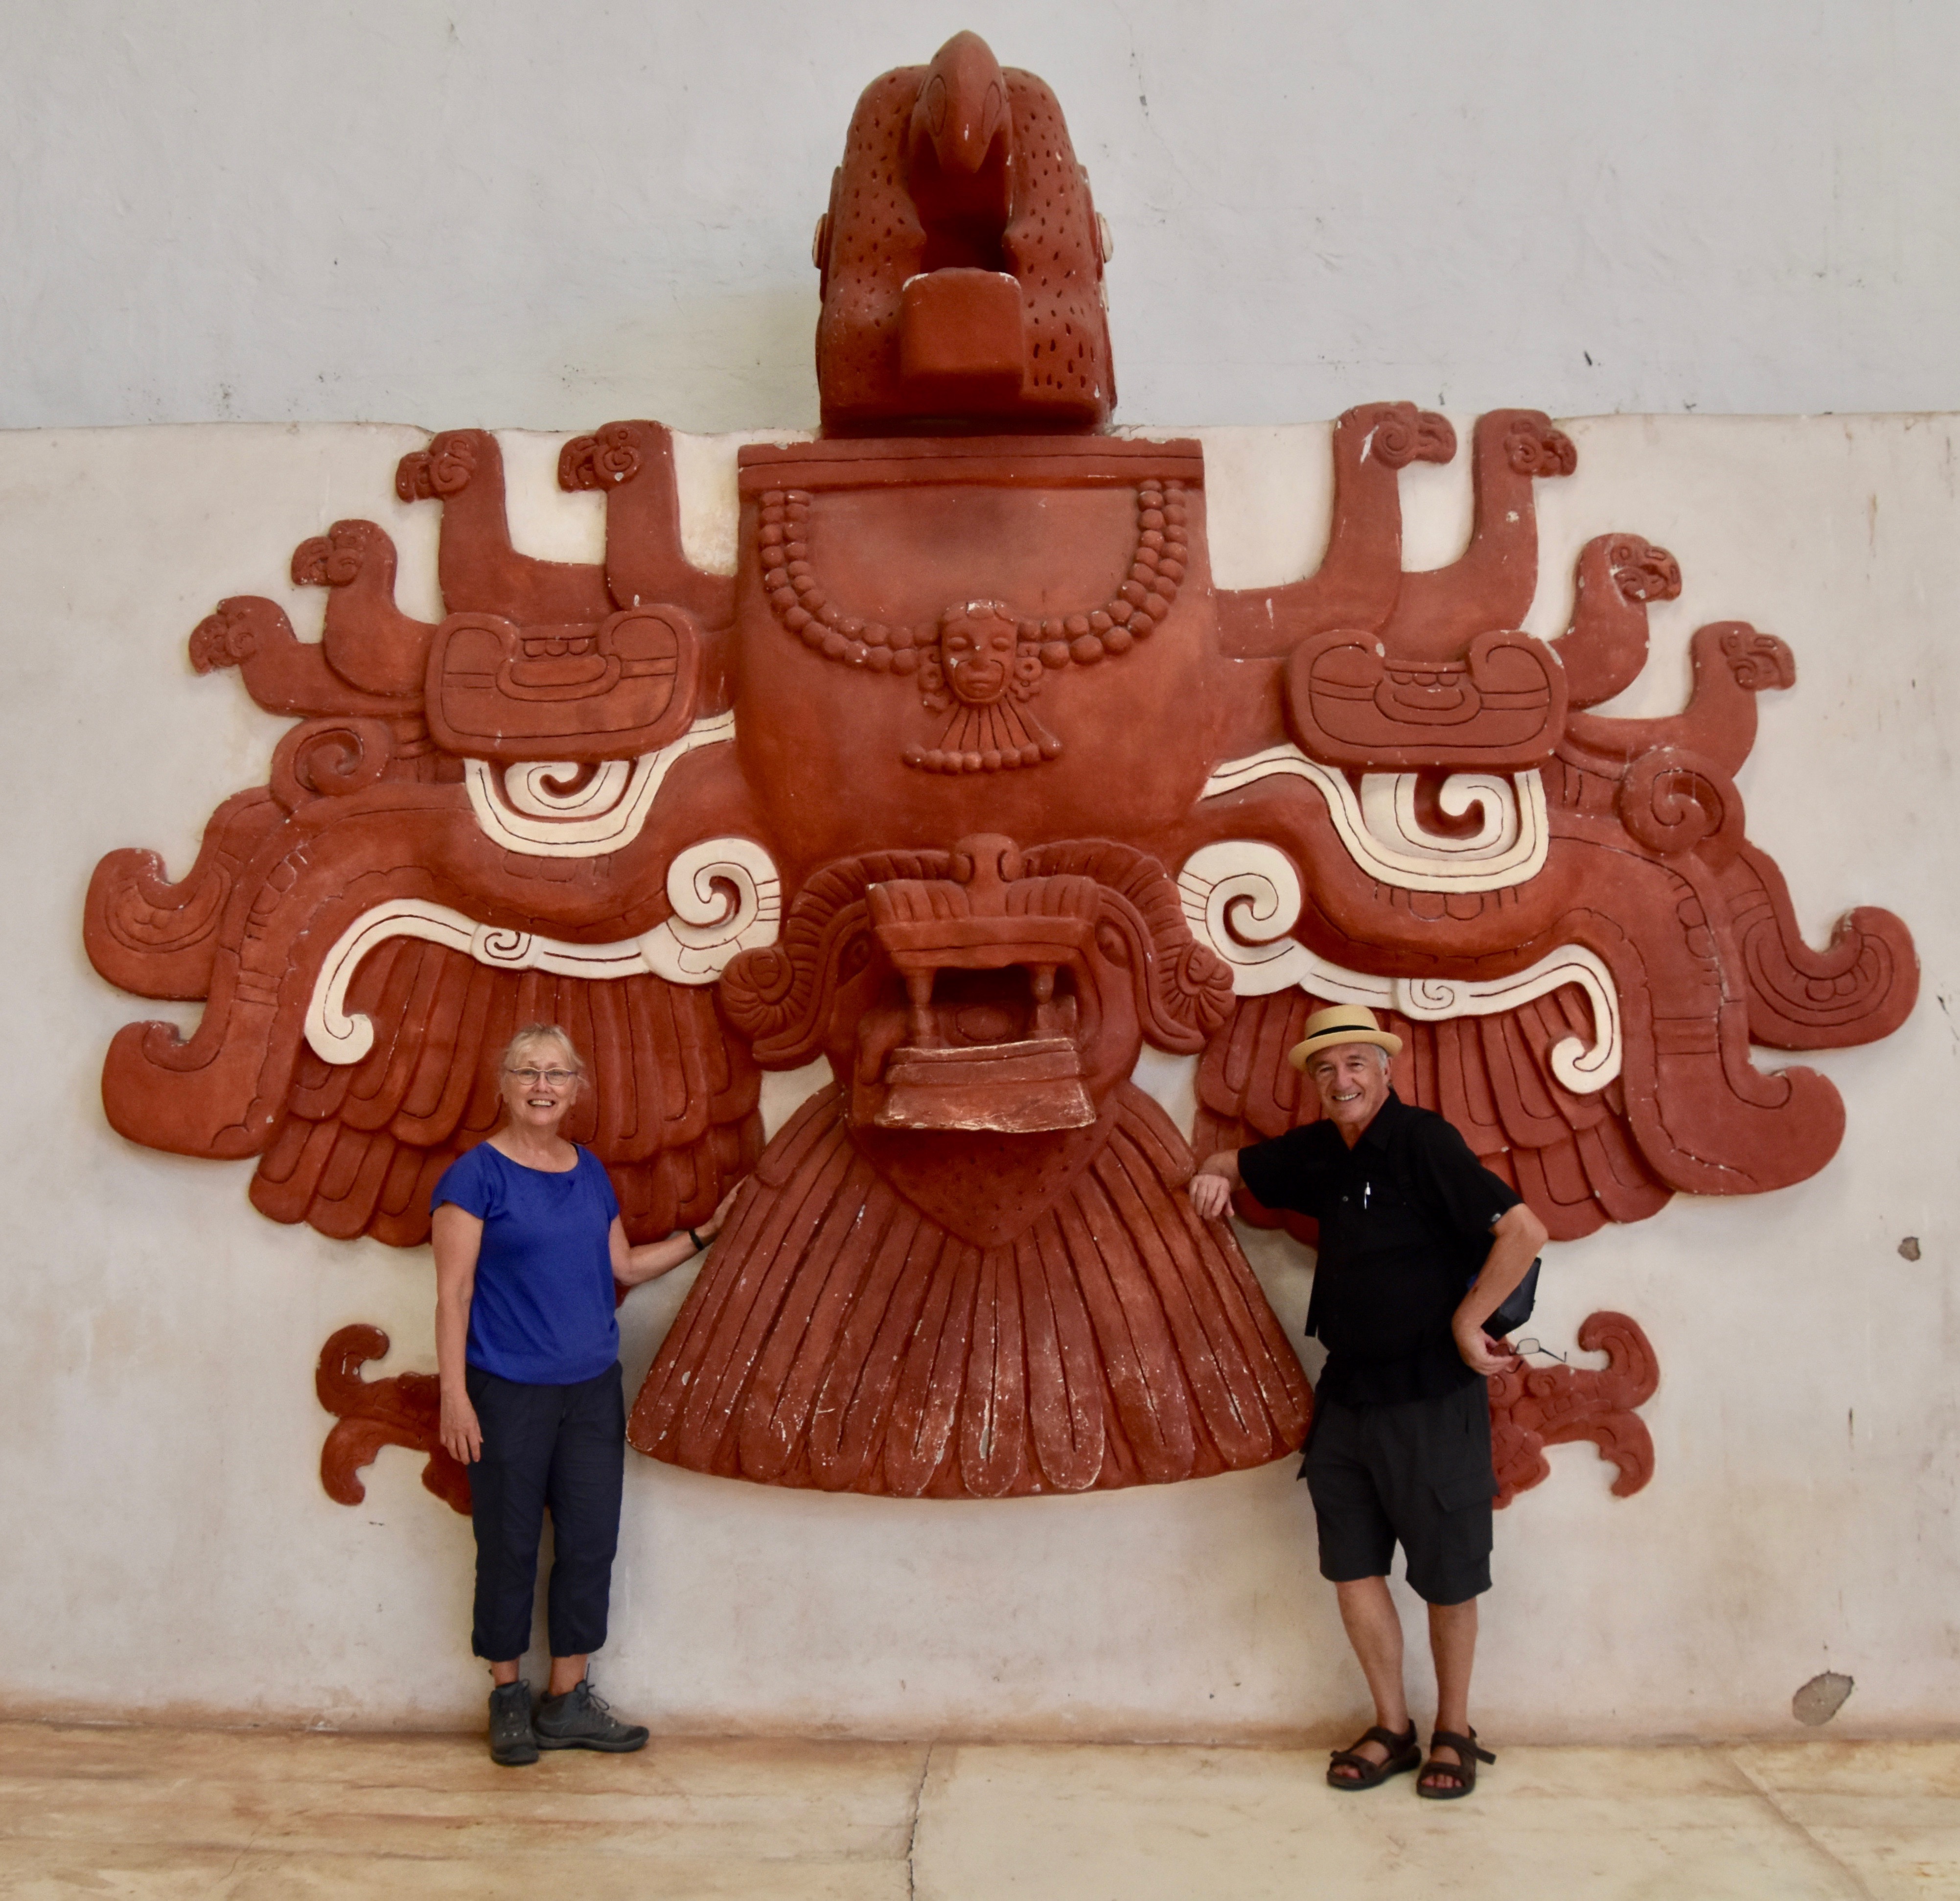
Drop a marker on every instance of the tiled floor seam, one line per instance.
(1783, 1815)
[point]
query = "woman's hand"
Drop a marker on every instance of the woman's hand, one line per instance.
(631, 1265)
(462, 1436)
(708, 1229)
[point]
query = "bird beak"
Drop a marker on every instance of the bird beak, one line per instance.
(962, 106)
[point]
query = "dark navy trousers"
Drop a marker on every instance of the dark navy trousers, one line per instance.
(556, 1448)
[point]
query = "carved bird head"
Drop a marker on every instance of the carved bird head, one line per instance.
(961, 258)
(960, 152)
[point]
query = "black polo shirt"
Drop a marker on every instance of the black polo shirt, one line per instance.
(1405, 1217)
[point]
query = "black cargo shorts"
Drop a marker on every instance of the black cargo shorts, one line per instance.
(1417, 1472)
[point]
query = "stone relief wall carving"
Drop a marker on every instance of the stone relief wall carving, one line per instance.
(1542, 1406)
(969, 781)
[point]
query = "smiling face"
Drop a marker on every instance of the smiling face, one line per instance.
(537, 1099)
(1352, 1079)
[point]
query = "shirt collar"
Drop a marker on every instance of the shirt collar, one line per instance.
(1378, 1132)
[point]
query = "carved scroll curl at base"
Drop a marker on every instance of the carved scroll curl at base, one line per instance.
(1550, 1406)
(404, 1411)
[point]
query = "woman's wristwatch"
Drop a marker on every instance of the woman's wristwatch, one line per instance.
(700, 1246)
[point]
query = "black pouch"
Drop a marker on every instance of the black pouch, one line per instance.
(1518, 1304)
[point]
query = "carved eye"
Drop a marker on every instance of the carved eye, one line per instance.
(852, 959)
(1113, 944)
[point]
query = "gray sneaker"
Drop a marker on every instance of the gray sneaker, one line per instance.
(511, 1742)
(581, 1719)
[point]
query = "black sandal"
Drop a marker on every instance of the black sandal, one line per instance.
(1464, 1770)
(1404, 1752)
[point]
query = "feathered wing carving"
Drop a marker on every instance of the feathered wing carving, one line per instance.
(840, 1338)
(671, 1110)
(1570, 1157)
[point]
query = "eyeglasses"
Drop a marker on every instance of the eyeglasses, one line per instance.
(555, 1078)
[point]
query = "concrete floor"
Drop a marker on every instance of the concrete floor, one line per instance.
(144, 1813)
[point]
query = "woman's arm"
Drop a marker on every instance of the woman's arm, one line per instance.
(631, 1265)
(458, 1236)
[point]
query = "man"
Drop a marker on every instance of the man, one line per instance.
(1400, 1449)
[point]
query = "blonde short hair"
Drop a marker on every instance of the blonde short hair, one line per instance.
(544, 1032)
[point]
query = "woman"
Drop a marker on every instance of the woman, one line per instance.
(528, 1243)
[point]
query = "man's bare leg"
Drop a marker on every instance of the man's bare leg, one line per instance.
(1375, 1631)
(1452, 1642)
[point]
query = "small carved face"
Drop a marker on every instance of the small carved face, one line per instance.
(976, 649)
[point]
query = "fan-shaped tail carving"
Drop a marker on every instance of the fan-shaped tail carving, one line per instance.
(840, 1338)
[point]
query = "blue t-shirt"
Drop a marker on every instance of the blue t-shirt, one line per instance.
(541, 1313)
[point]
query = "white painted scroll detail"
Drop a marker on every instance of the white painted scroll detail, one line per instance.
(531, 788)
(707, 930)
(1243, 898)
(726, 898)
(519, 810)
(1382, 833)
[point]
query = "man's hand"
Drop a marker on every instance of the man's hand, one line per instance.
(1480, 1353)
(1211, 1195)
(1211, 1189)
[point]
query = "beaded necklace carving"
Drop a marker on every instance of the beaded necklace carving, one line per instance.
(979, 659)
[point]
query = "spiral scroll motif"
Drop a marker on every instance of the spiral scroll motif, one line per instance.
(600, 460)
(1675, 801)
(330, 759)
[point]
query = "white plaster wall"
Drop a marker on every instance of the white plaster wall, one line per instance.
(171, 1548)
(498, 212)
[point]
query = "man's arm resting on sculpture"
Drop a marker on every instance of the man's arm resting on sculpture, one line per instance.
(1211, 1189)
(1515, 1240)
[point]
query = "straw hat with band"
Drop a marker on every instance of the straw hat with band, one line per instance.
(1341, 1023)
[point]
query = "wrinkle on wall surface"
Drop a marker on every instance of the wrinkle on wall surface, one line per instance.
(159, 1437)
